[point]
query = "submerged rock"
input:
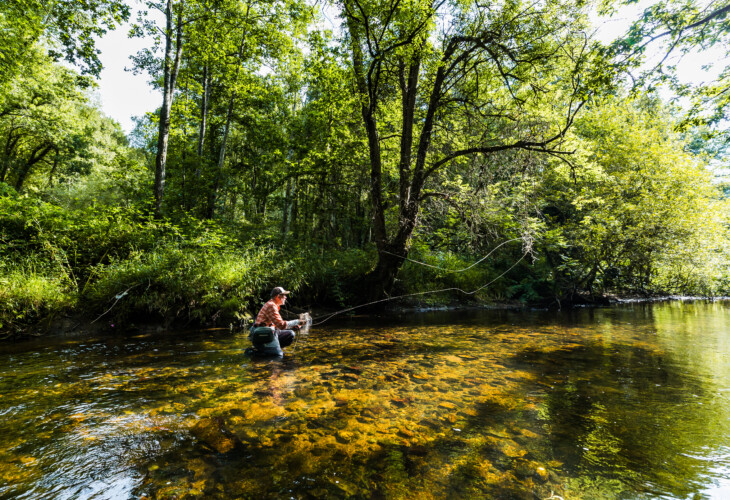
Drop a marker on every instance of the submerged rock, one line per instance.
(213, 433)
(344, 436)
(406, 432)
(541, 474)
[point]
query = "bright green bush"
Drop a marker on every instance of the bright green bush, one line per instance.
(183, 282)
(120, 264)
(428, 271)
(642, 215)
(29, 295)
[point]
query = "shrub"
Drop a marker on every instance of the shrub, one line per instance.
(333, 277)
(429, 271)
(187, 282)
(29, 295)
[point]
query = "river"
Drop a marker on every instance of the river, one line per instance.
(629, 401)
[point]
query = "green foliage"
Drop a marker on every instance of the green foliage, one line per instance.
(52, 134)
(68, 28)
(299, 157)
(668, 31)
(427, 271)
(76, 240)
(641, 214)
(31, 291)
(333, 277)
(99, 257)
(187, 282)
(220, 51)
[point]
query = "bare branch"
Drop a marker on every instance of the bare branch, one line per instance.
(539, 146)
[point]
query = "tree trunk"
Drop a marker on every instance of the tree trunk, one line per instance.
(203, 114)
(213, 195)
(6, 167)
(7, 154)
(380, 281)
(171, 67)
(53, 169)
(392, 253)
(286, 212)
(37, 155)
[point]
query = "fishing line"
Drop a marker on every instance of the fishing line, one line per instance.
(330, 316)
(454, 270)
(296, 341)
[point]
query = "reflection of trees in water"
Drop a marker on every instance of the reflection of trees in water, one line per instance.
(624, 418)
(608, 418)
(458, 410)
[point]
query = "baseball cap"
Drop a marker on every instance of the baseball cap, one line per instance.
(279, 291)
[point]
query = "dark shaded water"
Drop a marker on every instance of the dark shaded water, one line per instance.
(623, 402)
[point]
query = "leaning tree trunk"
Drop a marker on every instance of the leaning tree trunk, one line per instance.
(7, 154)
(37, 155)
(171, 67)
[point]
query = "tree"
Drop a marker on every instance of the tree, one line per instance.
(673, 29)
(172, 34)
(256, 33)
(451, 81)
(39, 115)
(67, 28)
(227, 41)
(639, 213)
(328, 179)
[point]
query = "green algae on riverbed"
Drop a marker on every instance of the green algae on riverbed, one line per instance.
(616, 402)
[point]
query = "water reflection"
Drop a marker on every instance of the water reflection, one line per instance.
(611, 403)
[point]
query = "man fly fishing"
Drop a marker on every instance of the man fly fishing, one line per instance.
(270, 332)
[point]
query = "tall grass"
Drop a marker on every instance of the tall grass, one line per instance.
(29, 295)
(186, 283)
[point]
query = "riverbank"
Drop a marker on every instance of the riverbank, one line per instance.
(83, 325)
(102, 268)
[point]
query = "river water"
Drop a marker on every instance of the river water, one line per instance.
(630, 401)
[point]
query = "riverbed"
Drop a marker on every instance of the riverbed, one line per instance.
(628, 401)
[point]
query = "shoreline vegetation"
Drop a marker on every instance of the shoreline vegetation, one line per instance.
(65, 324)
(103, 268)
(92, 247)
(98, 254)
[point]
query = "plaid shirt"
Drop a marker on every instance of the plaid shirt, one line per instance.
(269, 316)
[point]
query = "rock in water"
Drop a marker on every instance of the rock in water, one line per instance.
(212, 432)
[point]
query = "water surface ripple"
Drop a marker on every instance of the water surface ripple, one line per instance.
(624, 402)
